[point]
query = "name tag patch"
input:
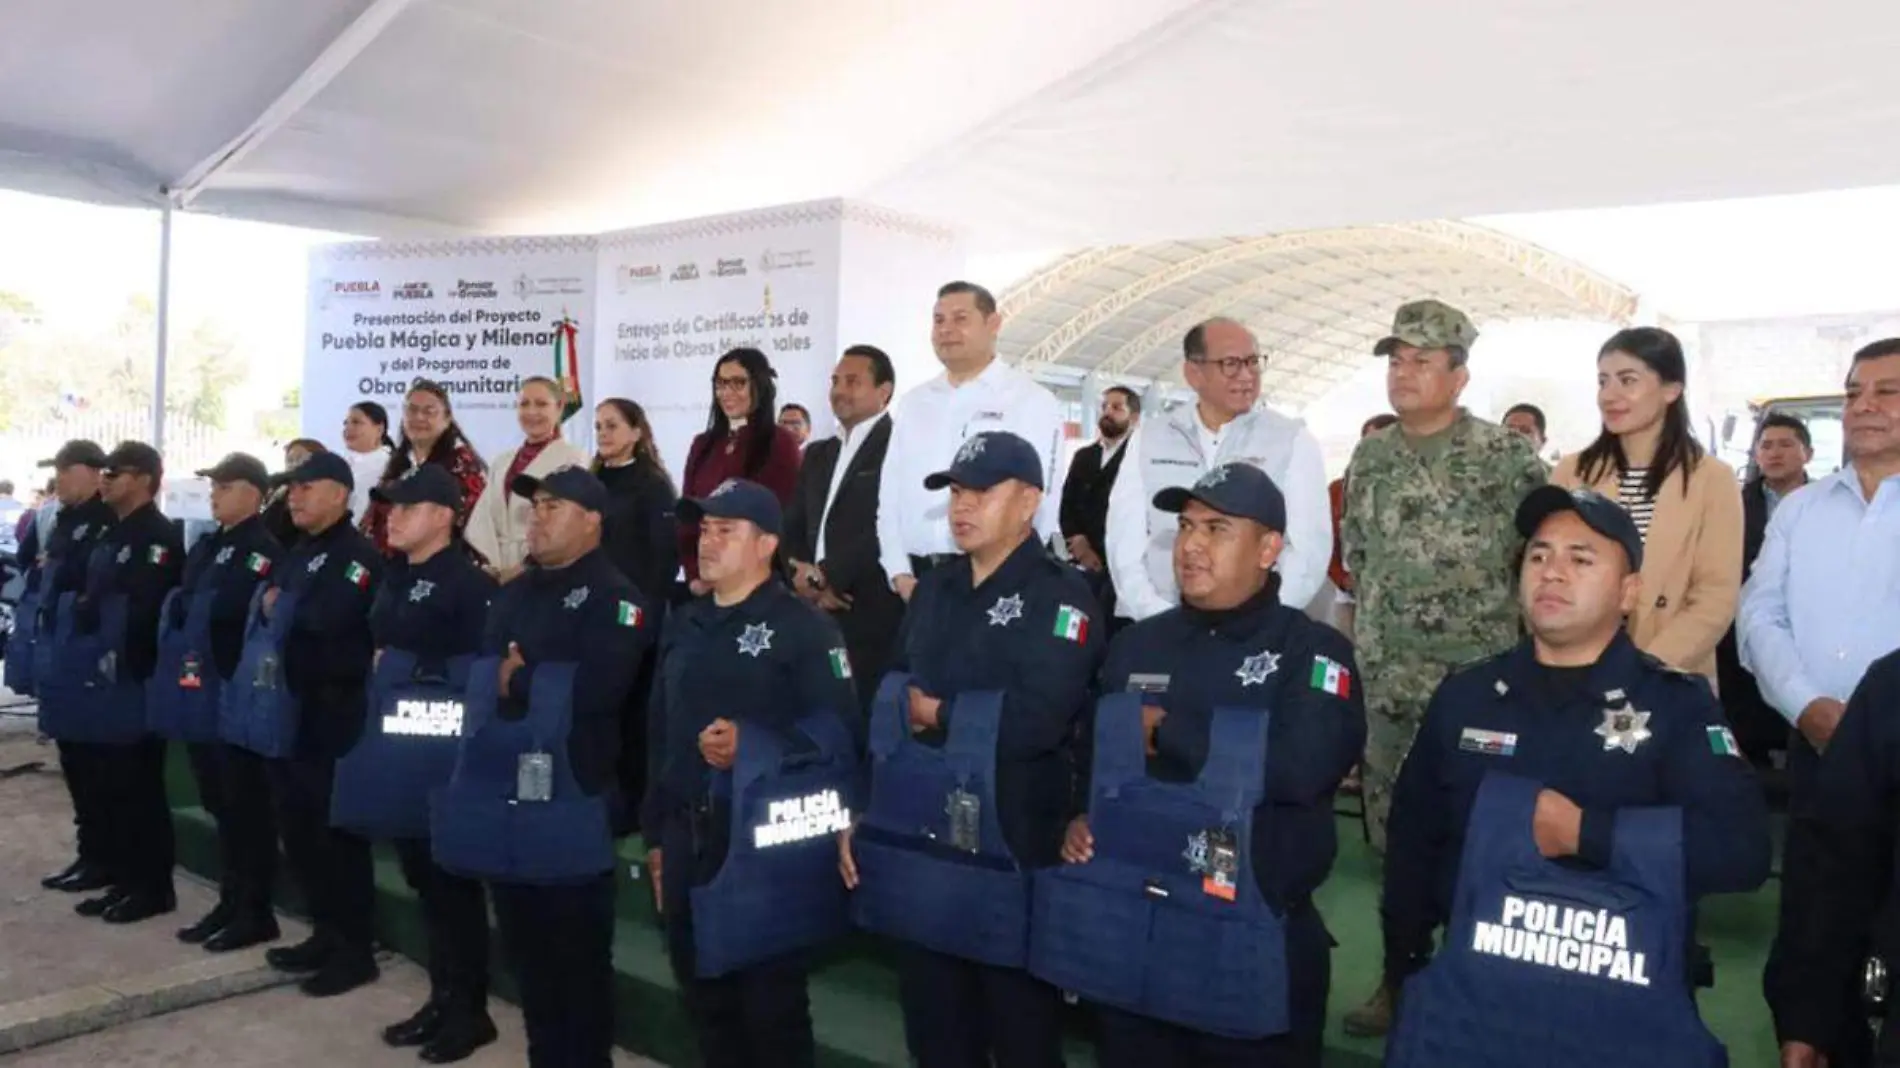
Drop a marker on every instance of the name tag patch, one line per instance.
(800, 819)
(1492, 743)
(1588, 942)
(425, 719)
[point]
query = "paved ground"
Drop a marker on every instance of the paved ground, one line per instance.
(49, 951)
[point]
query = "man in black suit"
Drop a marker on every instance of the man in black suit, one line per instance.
(1782, 451)
(831, 527)
(1092, 472)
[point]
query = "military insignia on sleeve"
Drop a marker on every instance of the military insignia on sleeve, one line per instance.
(357, 575)
(1623, 728)
(628, 614)
(420, 591)
(756, 639)
(158, 554)
(575, 598)
(1072, 624)
(1331, 676)
(1254, 670)
(257, 564)
(1006, 610)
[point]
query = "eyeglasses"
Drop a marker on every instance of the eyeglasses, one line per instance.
(429, 411)
(1232, 366)
(731, 385)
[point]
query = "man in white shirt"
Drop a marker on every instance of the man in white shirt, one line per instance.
(831, 525)
(1225, 424)
(976, 392)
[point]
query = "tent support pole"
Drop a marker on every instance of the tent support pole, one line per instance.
(164, 317)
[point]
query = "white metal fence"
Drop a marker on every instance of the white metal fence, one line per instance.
(189, 444)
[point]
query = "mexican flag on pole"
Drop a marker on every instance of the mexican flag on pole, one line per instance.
(567, 364)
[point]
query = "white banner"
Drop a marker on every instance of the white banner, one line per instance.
(674, 298)
(475, 316)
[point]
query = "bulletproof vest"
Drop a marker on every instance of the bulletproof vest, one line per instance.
(181, 700)
(1169, 452)
(777, 890)
(1195, 943)
(1548, 964)
(19, 673)
(258, 711)
(86, 693)
(407, 748)
(933, 868)
(512, 811)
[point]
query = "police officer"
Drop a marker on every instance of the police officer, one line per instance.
(747, 667)
(1565, 805)
(83, 519)
(1850, 870)
(1004, 618)
(1205, 685)
(427, 620)
(200, 639)
(531, 807)
(109, 652)
(325, 587)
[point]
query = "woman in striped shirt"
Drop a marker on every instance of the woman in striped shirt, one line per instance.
(1686, 503)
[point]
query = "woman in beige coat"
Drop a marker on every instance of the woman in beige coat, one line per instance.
(1686, 502)
(498, 528)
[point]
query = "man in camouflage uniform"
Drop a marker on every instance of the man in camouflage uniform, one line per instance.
(1430, 542)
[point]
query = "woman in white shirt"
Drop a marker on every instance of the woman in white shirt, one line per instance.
(498, 529)
(366, 446)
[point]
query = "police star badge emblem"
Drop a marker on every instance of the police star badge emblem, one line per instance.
(125, 553)
(575, 598)
(224, 554)
(756, 639)
(1006, 610)
(420, 591)
(317, 562)
(1623, 728)
(1254, 670)
(1196, 853)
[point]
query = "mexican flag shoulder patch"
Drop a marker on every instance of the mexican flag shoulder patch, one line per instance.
(158, 554)
(358, 575)
(840, 664)
(1722, 742)
(628, 614)
(257, 564)
(1331, 676)
(1072, 624)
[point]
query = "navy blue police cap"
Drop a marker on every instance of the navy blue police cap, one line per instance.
(989, 458)
(737, 498)
(1598, 512)
(428, 484)
(1239, 490)
(238, 467)
(321, 467)
(569, 483)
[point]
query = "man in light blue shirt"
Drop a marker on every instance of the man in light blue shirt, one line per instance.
(1823, 601)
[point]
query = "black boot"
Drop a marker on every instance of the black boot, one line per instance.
(213, 922)
(249, 928)
(417, 1030)
(141, 906)
(306, 956)
(465, 1029)
(345, 969)
(98, 906)
(80, 877)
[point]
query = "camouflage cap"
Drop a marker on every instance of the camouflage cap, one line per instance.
(1428, 324)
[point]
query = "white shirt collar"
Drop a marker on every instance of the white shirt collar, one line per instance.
(845, 435)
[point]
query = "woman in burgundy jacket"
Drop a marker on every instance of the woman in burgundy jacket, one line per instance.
(741, 440)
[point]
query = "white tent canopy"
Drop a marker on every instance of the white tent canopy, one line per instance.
(1058, 124)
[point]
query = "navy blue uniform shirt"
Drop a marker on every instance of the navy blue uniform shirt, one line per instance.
(80, 527)
(327, 655)
(1002, 635)
(588, 614)
(436, 609)
(1849, 871)
(1261, 654)
(764, 663)
(231, 562)
(146, 558)
(1554, 726)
